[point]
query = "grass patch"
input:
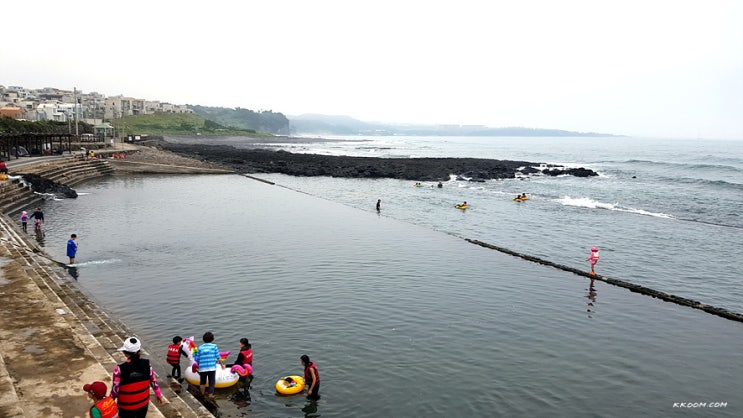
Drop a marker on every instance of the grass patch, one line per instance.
(175, 124)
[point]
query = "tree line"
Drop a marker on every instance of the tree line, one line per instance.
(13, 126)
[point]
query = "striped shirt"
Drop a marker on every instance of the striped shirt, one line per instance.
(207, 356)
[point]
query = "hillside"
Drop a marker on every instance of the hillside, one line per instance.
(245, 119)
(173, 124)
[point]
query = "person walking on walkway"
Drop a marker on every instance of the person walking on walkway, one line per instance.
(24, 221)
(593, 258)
(104, 406)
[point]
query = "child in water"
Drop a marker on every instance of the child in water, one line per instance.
(290, 383)
(24, 221)
(593, 258)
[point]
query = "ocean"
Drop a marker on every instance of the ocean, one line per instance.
(402, 315)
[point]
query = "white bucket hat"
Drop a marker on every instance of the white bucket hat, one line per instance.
(131, 344)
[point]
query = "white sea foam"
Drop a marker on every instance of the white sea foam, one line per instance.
(586, 202)
(96, 262)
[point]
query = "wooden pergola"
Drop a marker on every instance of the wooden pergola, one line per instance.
(34, 143)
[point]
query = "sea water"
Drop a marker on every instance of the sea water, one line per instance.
(665, 214)
(404, 317)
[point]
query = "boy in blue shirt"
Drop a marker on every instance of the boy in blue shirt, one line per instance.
(72, 248)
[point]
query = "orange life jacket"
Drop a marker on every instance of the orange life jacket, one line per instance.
(107, 407)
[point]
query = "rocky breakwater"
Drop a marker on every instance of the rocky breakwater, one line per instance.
(45, 186)
(424, 169)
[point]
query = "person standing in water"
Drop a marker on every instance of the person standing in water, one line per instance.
(593, 258)
(38, 216)
(311, 378)
(72, 248)
(208, 358)
(379, 204)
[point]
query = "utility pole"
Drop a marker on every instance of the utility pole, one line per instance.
(77, 133)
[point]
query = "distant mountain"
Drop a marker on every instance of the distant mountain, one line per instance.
(328, 124)
(317, 124)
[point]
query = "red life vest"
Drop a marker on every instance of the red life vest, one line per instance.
(247, 356)
(174, 354)
(134, 392)
(107, 407)
(308, 376)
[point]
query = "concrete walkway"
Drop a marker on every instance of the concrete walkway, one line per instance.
(54, 339)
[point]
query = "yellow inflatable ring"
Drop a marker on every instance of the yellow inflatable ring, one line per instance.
(282, 388)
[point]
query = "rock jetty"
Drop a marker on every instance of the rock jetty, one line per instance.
(254, 161)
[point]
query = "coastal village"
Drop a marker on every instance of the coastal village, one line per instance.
(54, 104)
(39, 303)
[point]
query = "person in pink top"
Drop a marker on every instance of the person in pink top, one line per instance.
(132, 380)
(593, 258)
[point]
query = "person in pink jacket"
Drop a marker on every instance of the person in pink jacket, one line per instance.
(593, 258)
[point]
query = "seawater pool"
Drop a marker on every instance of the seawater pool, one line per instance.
(401, 319)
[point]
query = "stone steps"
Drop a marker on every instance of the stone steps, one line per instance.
(94, 328)
(14, 195)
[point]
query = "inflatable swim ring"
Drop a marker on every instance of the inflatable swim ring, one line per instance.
(520, 199)
(461, 206)
(282, 388)
(224, 378)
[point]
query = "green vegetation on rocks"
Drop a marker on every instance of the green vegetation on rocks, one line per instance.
(262, 121)
(174, 124)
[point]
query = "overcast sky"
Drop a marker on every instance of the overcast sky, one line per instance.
(642, 68)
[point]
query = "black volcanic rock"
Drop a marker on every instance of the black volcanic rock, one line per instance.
(577, 172)
(255, 160)
(43, 185)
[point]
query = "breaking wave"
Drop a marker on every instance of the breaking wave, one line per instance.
(586, 202)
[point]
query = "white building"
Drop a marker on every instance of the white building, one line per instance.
(58, 112)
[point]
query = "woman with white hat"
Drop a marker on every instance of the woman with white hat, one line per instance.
(132, 380)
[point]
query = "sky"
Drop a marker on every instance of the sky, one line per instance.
(651, 68)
